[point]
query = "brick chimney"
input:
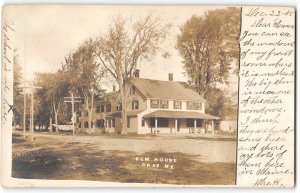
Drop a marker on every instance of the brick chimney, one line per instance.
(170, 76)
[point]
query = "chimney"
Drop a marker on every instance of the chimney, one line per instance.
(170, 76)
(114, 87)
(136, 73)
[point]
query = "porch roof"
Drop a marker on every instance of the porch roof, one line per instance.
(179, 114)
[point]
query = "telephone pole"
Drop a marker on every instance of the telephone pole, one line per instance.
(28, 88)
(24, 116)
(73, 100)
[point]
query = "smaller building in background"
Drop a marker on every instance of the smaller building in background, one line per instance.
(228, 124)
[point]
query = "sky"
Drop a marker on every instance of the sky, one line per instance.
(45, 34)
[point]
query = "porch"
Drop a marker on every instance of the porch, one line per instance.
(180, 122)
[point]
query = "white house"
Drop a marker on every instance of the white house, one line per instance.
(154, 106)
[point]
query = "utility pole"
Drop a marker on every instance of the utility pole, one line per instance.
(31, 89)
(31, 119)
(72, 101)
(24, 116)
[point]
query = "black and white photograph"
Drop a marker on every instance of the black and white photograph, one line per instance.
(141, 96)
(130, 94)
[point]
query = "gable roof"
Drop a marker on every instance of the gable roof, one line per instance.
(108, 97)
(166, 89)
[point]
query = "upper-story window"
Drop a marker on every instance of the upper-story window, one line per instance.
(189, 105)
(135, 105)
(197, 105)
(132, 90)
(193, 105)
(108, 108)
(154, 103)
(177, 104)
(119, 107)
(98, 109)
(164, 104)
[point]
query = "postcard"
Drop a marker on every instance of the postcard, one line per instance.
(147, 96)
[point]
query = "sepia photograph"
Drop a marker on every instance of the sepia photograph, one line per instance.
(127, 94)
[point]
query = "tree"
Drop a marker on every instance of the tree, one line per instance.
(217, 104)
(126, 44)
(54, 87)
(85, 75)
(50, 98)
(43, 106)
(209, 44)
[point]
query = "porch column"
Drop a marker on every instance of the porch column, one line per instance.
(212, 127)
(195, 125)
(176, 125)
(155, 125)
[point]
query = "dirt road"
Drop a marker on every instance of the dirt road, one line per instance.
(133, 159)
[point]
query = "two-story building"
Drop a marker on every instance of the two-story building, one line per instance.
(154, 106)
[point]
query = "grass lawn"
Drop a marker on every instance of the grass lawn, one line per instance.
(169, 159)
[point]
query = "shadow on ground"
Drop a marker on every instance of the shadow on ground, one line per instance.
(61, 160)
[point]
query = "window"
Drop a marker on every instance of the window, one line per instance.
(102, 109)
(79, 125)
(98, 109)
(100, 123)
(177, 104)
(189, 105)
(143, 122)
(86, 113)
(132, 90)
(108, 107)
(79, 115)
(164, 104)
(97, 123)
(119, 107)
(86, 124)
(194, 105)
(154, 103)
(197, 106)
(135, 105)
